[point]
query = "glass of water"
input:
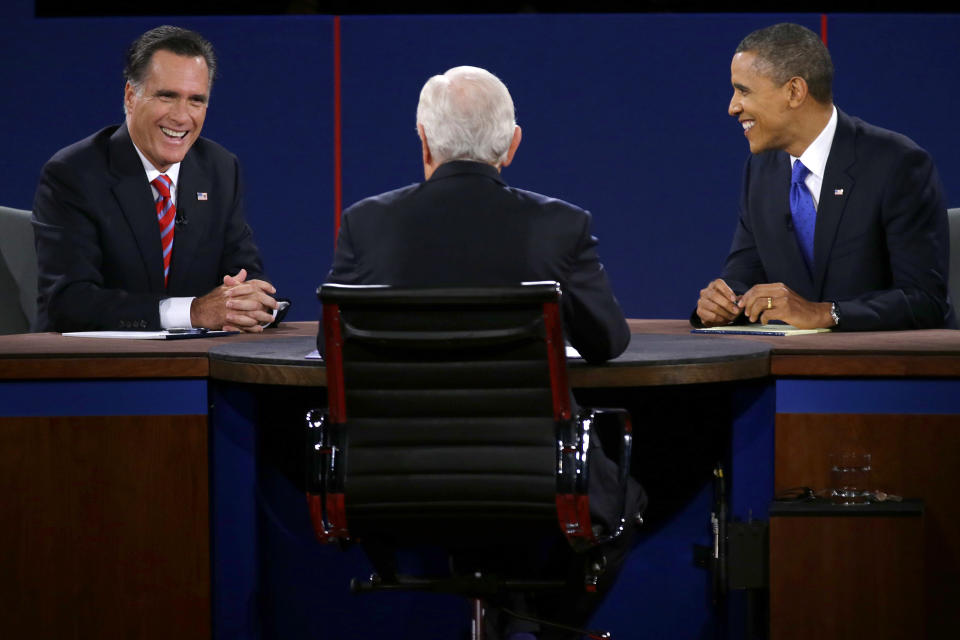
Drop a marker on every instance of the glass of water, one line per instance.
(850, 477)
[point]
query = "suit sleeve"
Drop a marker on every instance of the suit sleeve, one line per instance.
(343, 271)
(70, 263)
(914, 219)
(743, 267)
(346, 266)
(593, 318)
(239, 249)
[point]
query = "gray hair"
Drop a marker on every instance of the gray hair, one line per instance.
(467, 114)
(786, 50)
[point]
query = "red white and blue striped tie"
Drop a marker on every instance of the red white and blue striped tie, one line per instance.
(166, 214)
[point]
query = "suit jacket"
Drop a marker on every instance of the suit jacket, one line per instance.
(465, 227)
(881, 239)
(98, 243)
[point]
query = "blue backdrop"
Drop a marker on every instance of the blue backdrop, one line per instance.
(624, 115)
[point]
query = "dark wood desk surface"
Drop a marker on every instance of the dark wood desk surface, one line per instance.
(51, 355)
(683, 357)
(931, 352)
(651, 359)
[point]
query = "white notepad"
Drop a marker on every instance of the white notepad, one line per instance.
(760, 329)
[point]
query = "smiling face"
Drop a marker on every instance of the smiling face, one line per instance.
(165, 115)
(761, 106)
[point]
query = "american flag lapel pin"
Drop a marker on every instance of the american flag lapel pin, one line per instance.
(836, 192)
(202, 195)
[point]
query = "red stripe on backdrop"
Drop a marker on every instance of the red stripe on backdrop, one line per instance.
(823, 28)
(337, 169)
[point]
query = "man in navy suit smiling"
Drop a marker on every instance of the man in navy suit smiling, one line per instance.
(141, 225)
(842, 224)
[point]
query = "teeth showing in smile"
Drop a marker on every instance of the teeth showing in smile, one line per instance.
(747, 125)
(172, 133)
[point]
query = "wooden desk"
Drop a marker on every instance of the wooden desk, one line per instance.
(105, 450)
(110, 484)
(650, 360)
(44, 356)
(895, 394)
(275, 382)
(104, 476)
(932, 352)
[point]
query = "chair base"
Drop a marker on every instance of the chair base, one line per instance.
(478, 588)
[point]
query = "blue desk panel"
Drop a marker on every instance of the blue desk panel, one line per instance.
(56, 398)
(864, 395)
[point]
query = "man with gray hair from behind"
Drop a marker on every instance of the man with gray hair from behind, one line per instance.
(464, 226)
(470, 116)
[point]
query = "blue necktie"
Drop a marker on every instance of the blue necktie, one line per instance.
(803, 211)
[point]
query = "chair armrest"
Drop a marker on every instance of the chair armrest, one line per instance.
(324, 491)
(611, 434)
(614, 429)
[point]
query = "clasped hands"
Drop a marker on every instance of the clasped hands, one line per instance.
(763, 303)
(236, 305)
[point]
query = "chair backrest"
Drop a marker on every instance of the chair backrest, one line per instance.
(953, 215)
(18, 271)
(449, 416)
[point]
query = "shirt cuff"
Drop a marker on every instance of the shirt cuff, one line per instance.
(175, 313)
(267, 324)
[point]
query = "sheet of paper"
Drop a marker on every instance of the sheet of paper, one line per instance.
(760, 329)
(315, 355)
(172, 334)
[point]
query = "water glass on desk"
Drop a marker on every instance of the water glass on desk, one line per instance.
(850, 477)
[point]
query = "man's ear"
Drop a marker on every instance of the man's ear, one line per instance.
(427, 157)
(517, 135)
(797, 91)
(128, 92)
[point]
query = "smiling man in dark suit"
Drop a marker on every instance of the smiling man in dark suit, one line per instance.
(842, 224)
(141, 226)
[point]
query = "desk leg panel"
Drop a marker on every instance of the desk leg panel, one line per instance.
(915, 456)
(105, 527)
(846, 577)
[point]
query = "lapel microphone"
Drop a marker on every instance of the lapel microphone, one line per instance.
(181, 220)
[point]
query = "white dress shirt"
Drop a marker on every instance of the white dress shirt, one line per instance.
(174, 312)
(815, 157)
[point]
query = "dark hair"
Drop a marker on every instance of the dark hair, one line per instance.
(786, 50)
(166, 38)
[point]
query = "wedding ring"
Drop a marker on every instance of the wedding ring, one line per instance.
(769, 303)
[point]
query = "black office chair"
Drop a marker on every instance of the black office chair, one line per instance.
(450, 424)
(18, 271)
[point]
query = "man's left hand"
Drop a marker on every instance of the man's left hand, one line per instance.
(776, 301)
(249, 303)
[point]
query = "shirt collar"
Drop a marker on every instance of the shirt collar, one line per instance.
(815, 156)
(461, 167)
(152, 172)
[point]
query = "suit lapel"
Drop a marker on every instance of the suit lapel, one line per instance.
(834, 193)
(135, 198)
(194, 196)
